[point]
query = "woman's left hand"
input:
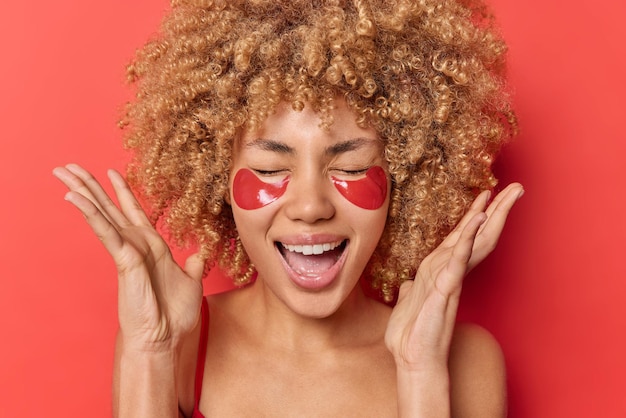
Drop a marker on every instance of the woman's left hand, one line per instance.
(422, 323)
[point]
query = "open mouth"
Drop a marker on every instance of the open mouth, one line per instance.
(312, 261)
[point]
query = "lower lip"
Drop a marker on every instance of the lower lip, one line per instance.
(317, 282)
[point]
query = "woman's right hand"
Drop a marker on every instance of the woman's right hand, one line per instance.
(158, 301)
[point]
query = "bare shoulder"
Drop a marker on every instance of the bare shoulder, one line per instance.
(477, 373)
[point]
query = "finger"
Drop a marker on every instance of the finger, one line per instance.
(497, 213)
(513, 190)
(104, 230)
(68, 175)
(194, 266)
(76, 185)
(478, 205)
(458, 264)
(405, 289)
(92, 188)
(128, 202)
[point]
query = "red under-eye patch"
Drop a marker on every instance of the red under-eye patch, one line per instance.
(369, 192)
(250, 192)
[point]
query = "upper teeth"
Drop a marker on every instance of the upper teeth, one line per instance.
(312, 249)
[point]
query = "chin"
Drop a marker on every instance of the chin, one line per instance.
(319, 303)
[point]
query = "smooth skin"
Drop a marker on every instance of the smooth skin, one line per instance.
(412, 361)
(291, 144)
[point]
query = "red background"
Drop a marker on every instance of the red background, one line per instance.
(552, 293)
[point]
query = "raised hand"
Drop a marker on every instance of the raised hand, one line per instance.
(158, 301)
(422, 322)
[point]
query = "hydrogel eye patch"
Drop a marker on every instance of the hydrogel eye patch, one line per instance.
(250, 192)
(369, 192)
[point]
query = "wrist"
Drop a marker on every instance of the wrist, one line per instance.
(425, 376)
(422, 364)
(145, 384)
(147, 365)
(137, 345)
(145, 357)
(424, 392)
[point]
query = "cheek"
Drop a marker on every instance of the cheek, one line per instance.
(251, 193)
(369, 192)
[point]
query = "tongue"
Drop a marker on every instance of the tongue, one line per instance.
(312, 265)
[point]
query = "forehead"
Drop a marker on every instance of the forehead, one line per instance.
(289, 125)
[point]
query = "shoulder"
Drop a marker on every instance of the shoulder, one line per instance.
(477, 373)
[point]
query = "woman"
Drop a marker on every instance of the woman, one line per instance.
(305, 147)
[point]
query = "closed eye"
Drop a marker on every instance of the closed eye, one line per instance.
(351, 172)
(268, 173)
(355, 172)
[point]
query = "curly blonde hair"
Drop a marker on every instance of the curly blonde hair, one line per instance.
(426, 74)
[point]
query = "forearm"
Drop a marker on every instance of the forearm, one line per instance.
(424, 394)
(144, 383)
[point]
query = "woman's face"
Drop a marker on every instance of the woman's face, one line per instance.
(310, 205)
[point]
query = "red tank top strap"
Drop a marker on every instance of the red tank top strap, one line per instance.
(202, 346)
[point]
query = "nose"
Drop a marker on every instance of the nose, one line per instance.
(308, 199)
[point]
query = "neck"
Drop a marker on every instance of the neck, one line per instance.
(358, 320)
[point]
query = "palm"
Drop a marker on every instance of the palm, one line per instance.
(159, 302)
(422, 322)
(155, 295)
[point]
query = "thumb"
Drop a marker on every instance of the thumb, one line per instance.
(405, 287)
(194, 266)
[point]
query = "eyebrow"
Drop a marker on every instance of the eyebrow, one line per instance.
(271, 145)
(332, 150)
(349, 145)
